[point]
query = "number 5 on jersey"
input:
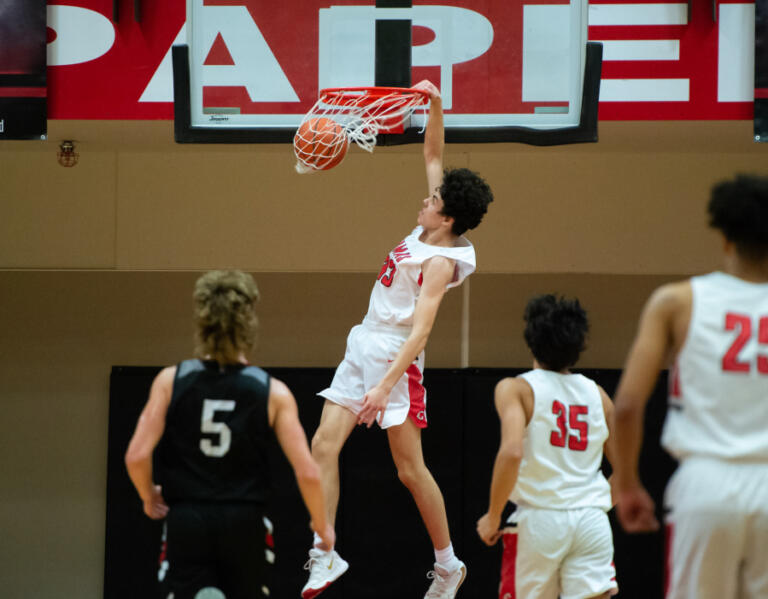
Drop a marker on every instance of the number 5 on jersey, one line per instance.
(207, 425)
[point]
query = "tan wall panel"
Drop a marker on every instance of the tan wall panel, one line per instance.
(632, 203)
(613, 304)
(56, 217)
(251, 210)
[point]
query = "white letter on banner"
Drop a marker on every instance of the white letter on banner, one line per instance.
(736, 53)
(255, 66)
(460, 35)
(160, 87)
(72, 45)
(348, 40)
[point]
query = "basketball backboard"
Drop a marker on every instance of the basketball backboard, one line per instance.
(508, 70)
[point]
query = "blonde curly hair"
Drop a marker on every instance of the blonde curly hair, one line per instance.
(225, 315)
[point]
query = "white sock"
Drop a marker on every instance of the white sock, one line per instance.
(446, 559)
(316, 542)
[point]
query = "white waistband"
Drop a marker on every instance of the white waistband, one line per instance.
(396, 329)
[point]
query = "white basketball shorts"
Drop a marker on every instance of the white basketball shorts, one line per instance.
(565, 553)
(370, 351)
(717, 530)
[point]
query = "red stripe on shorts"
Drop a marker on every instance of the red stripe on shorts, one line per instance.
(668, 531)
(508, 562)
(418, 410)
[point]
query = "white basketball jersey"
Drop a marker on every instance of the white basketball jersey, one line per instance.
(718, 393)
(397, 287)
(563, 444)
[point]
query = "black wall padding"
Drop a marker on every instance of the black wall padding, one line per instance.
(379, 529)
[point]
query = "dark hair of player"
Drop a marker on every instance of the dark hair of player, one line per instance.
(555, 330)
(739, 208)
(225, 316)
(465, 196)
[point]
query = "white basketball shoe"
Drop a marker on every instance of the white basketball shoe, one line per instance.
(324, 567)
(445, 584)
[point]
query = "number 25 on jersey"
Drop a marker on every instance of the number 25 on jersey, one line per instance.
(731, 360)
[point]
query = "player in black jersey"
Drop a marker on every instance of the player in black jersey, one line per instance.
(210, 419)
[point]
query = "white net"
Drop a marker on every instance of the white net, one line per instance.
(355, 114)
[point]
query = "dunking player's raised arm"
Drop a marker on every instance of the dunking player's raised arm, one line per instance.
(434, 137)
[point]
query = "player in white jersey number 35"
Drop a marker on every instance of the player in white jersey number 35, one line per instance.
(555, 426)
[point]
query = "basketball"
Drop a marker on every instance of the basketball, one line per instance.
(319, 144)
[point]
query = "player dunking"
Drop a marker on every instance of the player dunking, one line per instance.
(554, 427)
(214, 416)
(714, 331)
(380, 378)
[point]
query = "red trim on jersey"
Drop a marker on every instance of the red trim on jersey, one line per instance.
(421, 279)
(674, 387)
(668, 534)
(418, 409)
(508, 564)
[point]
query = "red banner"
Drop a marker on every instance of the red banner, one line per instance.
(659, 63)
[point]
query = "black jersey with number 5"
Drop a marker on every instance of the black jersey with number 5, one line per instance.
(217, 433)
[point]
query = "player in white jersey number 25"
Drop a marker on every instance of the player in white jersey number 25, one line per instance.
(713, 329)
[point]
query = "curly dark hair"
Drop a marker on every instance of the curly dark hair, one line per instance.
(555, 330)
(739, 208)
(225, 315)
(465, 196)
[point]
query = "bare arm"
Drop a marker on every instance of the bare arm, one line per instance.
(434, 136)
(284, 419)
(149, 430)
(509, 405)
(437, 272)
(647, 356)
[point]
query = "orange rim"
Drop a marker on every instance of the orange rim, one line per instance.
(341, 96)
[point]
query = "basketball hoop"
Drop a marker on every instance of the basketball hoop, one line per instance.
(363, 113)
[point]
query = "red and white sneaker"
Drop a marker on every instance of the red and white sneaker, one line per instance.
(324, 567)
(445, 584)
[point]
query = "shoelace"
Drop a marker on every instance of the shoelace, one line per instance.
(308, 564)
(438, 581)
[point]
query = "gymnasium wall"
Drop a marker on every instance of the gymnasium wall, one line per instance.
(98, 262)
